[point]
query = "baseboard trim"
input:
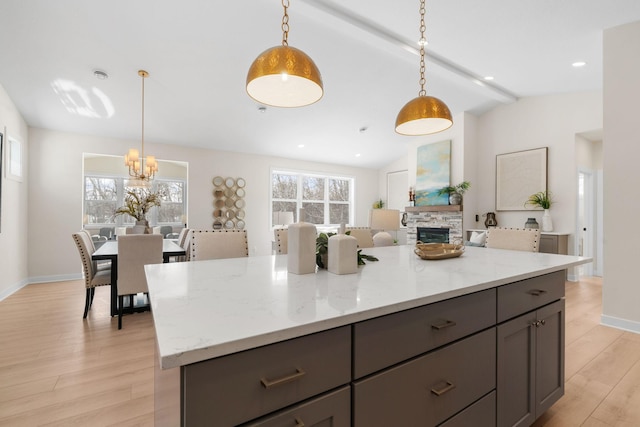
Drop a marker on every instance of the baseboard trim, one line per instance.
(623, 324)
(13, 289)
(58, 278)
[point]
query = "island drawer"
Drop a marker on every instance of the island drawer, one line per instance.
(332, 409)
(233, 389)
(517, 298)
(428, 390)
(481, 413)
(391, 339)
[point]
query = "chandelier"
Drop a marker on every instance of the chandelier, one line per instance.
(284, 76)
(140, 169)
(425, 114)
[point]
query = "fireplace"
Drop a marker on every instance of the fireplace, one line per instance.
(432, 235)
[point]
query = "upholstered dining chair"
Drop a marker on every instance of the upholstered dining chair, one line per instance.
(93, 276)
(99, 265)
(134, 252)
(281, 240)
(183, 241)
(517, 239)
(218, 244)
(362, 234)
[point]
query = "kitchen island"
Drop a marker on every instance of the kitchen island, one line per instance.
(243, 341)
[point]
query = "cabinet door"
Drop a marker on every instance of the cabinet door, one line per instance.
(515, 371)
(549, 356)
(548, 244)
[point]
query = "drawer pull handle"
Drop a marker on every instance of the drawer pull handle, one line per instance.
(442, 325)
(272, 383)
(299, 422)
(537, 292)
(443, 390)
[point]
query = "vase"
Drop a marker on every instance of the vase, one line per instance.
(531, 223)
(547, 224)
(142, 227)
(455, 199)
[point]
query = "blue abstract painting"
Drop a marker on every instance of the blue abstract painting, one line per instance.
(433, 173)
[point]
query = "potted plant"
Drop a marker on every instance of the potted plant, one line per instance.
(542, 199)
(455, 192)
(137, 204)
(378, 204)
(322, 251)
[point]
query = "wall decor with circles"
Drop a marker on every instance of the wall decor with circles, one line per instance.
(228, 203)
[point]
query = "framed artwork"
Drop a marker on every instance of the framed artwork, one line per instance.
(13, 157)
(518, 176)
(433, 173)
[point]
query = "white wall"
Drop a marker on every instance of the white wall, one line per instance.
(55, 199)
(621, 154)
(13, 196)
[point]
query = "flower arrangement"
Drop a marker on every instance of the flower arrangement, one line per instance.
(138, 202)
(540, 199)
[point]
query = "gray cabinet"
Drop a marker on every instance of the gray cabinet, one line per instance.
(554, 243)
(530, 364)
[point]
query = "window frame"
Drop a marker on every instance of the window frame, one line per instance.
(299, 201)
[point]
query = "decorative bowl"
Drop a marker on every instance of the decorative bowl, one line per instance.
(434, 251)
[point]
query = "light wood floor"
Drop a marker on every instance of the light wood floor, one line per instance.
(58, 370)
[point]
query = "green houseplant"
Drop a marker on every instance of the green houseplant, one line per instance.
(455, 192)
(541, 199)
(322, 250)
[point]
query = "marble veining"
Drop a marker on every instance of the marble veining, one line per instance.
(207, 309)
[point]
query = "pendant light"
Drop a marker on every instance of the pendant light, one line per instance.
(284, 76)
(425, 114)
(140, 169)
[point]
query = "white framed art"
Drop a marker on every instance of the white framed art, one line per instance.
(518, 176)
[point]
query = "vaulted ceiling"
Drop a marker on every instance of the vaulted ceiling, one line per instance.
(198, 52)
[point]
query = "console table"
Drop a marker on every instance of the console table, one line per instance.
(551, 242)
(474, 340)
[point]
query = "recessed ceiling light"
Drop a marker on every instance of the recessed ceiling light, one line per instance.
(300, 145)
(579, 64)
(488, 78)
(102, 75)
(358, 155)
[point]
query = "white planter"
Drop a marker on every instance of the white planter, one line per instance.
(547, 224)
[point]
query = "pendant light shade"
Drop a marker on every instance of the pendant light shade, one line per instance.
(284, 76)
(425, 114)
(422, 116)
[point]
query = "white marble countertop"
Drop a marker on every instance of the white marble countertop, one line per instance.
(207, 309)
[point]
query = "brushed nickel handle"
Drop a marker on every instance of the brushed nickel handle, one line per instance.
(299, 422)
(537, 292)
(443, 325)
(543, 322)
(536, 323)
(286, 379)
(445, 389)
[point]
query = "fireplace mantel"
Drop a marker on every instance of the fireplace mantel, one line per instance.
(437, 208)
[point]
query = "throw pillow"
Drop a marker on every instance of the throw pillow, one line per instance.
(478, 237)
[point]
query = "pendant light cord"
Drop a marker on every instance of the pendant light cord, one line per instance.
(285, 24)
(422, 43)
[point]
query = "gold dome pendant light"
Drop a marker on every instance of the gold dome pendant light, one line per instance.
(284, 76)
(425, 114)
(140, 169)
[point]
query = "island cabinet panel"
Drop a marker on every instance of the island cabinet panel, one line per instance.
(330, 410)
(233, 389)
(526, 295)
(530, 366)
(391, 339)
(429, 389)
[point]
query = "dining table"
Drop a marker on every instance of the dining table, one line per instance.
(109, 252)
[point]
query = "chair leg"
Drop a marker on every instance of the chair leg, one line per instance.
(87, 302)
(120, 304)
(93, 292)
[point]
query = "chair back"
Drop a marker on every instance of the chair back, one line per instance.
(134, 252)
(281, 240)
(517, 239)
(107, 232)
(363, 235)
(84, 244)
(218, 244)
(165, 229)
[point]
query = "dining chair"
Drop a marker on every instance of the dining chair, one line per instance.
(183, 241)
(134, 252)
(281, 240)
(99, 265)
(362, 234)
(93, 276)
(218, 244)
(517, 239)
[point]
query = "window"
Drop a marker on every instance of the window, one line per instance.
(104, 194)
(326, 199)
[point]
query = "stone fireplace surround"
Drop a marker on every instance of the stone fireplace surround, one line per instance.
(445, 216)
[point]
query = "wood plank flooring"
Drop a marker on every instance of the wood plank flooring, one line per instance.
(58, 370)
